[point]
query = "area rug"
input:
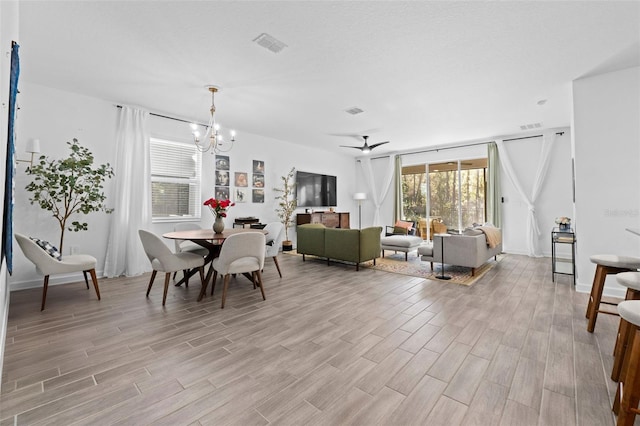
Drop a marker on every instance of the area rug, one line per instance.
(415, 267)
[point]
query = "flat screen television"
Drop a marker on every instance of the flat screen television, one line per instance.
(315, 190)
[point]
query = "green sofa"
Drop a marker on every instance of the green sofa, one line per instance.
(349, 245)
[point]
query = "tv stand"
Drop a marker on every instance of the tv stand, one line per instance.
(328, 219)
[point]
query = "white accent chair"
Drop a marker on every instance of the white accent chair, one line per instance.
(47, 265)
(188, 246)
(241, 253)
(162, 260)
(275, 235)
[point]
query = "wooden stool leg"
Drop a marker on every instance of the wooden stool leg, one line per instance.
(629, 388)
(594, 285)
(621, 340)
(620, 349)
(596, 296)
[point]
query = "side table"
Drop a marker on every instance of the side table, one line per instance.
(563, 237)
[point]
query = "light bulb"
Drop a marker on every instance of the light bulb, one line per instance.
(194, 126)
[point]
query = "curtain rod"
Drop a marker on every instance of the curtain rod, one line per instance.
(170, 118)
(463, 146)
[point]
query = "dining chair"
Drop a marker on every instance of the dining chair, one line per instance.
(47, 265)
(163, 260)
(241, 253)
(274, 237)
(188, 246)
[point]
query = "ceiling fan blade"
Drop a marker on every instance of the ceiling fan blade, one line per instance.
(377, 144)
(349, 146)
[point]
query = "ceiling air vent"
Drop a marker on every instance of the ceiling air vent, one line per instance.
(531, 126)
(354, 110)
(269, 42)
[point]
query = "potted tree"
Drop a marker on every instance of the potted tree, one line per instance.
(68, 186)
(287, 204)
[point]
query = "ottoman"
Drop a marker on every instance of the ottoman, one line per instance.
(403, 243)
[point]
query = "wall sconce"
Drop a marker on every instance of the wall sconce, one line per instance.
(33, 147)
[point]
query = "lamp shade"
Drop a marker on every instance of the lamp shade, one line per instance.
(360, 196)
(33, 146)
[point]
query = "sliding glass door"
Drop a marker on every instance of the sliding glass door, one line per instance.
(457, 192)
(453, 194)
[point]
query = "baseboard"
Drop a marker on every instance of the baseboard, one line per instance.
(619, 292)
(53, 280)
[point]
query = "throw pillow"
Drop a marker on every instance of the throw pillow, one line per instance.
(400, 230)
(404, 224)
(46, 246)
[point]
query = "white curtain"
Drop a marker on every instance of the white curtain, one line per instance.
(132, 193)
(533, 231)
(378, 194)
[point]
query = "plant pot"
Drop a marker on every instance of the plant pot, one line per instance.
(287, 245)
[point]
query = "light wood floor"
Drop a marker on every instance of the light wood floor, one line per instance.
(329, 346)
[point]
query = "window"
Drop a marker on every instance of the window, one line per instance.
(414, 192)
(458, 196)
(175, 180)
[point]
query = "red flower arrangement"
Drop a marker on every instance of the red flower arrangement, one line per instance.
(219, 207)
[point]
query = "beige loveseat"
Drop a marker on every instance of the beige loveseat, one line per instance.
(470, 250)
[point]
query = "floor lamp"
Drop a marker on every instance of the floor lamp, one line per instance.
(359, 196)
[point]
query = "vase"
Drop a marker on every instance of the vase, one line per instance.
(218, 225)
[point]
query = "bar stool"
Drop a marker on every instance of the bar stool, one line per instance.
(607, 264)
(625, 404)
(631, 280)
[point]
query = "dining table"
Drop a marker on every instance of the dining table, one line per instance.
(210, 240)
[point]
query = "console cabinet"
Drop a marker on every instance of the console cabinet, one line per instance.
(328, 219)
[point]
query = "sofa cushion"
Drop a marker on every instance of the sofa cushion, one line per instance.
(405, 241)
(425, 251)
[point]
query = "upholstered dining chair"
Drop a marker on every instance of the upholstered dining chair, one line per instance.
(47, 265)
(274, 237)
(241, 253)
(186, 245)
(163, 260)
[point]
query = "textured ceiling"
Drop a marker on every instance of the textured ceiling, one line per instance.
(425, 73)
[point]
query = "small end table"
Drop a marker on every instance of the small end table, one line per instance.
(564, 236)
(442, 276)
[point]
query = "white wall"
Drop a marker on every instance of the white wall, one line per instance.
(8, 33)
(56, 116)
(607, 158)
(554, 200)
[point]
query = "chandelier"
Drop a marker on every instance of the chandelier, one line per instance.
(212, 139)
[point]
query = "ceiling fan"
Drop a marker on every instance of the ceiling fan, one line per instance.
(366, 148)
